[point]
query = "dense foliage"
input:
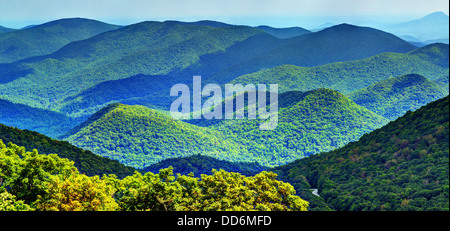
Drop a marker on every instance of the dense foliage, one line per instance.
(401, 166)
(393, 97)
(198, 164)
(138, 136)
(311, 122)
(32, 181)
(152, 48)
(430, 61)
(308, 123)
(85, 161)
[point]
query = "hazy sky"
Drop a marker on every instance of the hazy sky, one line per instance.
(306, 13)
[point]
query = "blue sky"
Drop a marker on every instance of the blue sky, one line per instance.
(306, 13)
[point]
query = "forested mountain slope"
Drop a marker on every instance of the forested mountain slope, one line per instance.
(308, 123)
(151, 48)
(393, 97)
(138, 136)
(401, 166)
(430, 61)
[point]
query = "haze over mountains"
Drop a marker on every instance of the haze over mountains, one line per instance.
(429, 29)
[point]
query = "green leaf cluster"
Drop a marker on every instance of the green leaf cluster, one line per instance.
(402, 166)
(350, 76)
(309, 123)
(393, 97)
(32, 181)
(138, 136)
(221, 191)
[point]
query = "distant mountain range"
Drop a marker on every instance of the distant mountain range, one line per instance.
(336, 44)
(47, 38)
(363, 114)
(429, 29)
(62, 80)
(402, 166)
(430, 61)
(393, 97)
(284, 33)
(312, 122)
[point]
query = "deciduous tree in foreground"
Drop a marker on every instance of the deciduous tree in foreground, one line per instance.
(32, 181)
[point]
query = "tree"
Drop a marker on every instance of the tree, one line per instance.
(217, 192)
(77, 192)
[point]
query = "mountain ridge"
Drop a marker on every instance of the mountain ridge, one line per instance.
(48, 37)
(393, 97)
(402, 166)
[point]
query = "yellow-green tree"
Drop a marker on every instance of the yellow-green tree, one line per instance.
(25, 172)
(8, 202)
(32, 181)
(232, 191)
(47, 182)
(77, 192)
(220, 191)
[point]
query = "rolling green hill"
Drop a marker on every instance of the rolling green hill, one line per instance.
(319, 120)
(154, 90)
(335, 44)
(198, 164)
(430, 61)
(5, 29)
(48, 37)
(284, 33)
(138, 136)
(85, 161)
(308, 123)
(393, 97)
(151, 48)
(402, 166)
